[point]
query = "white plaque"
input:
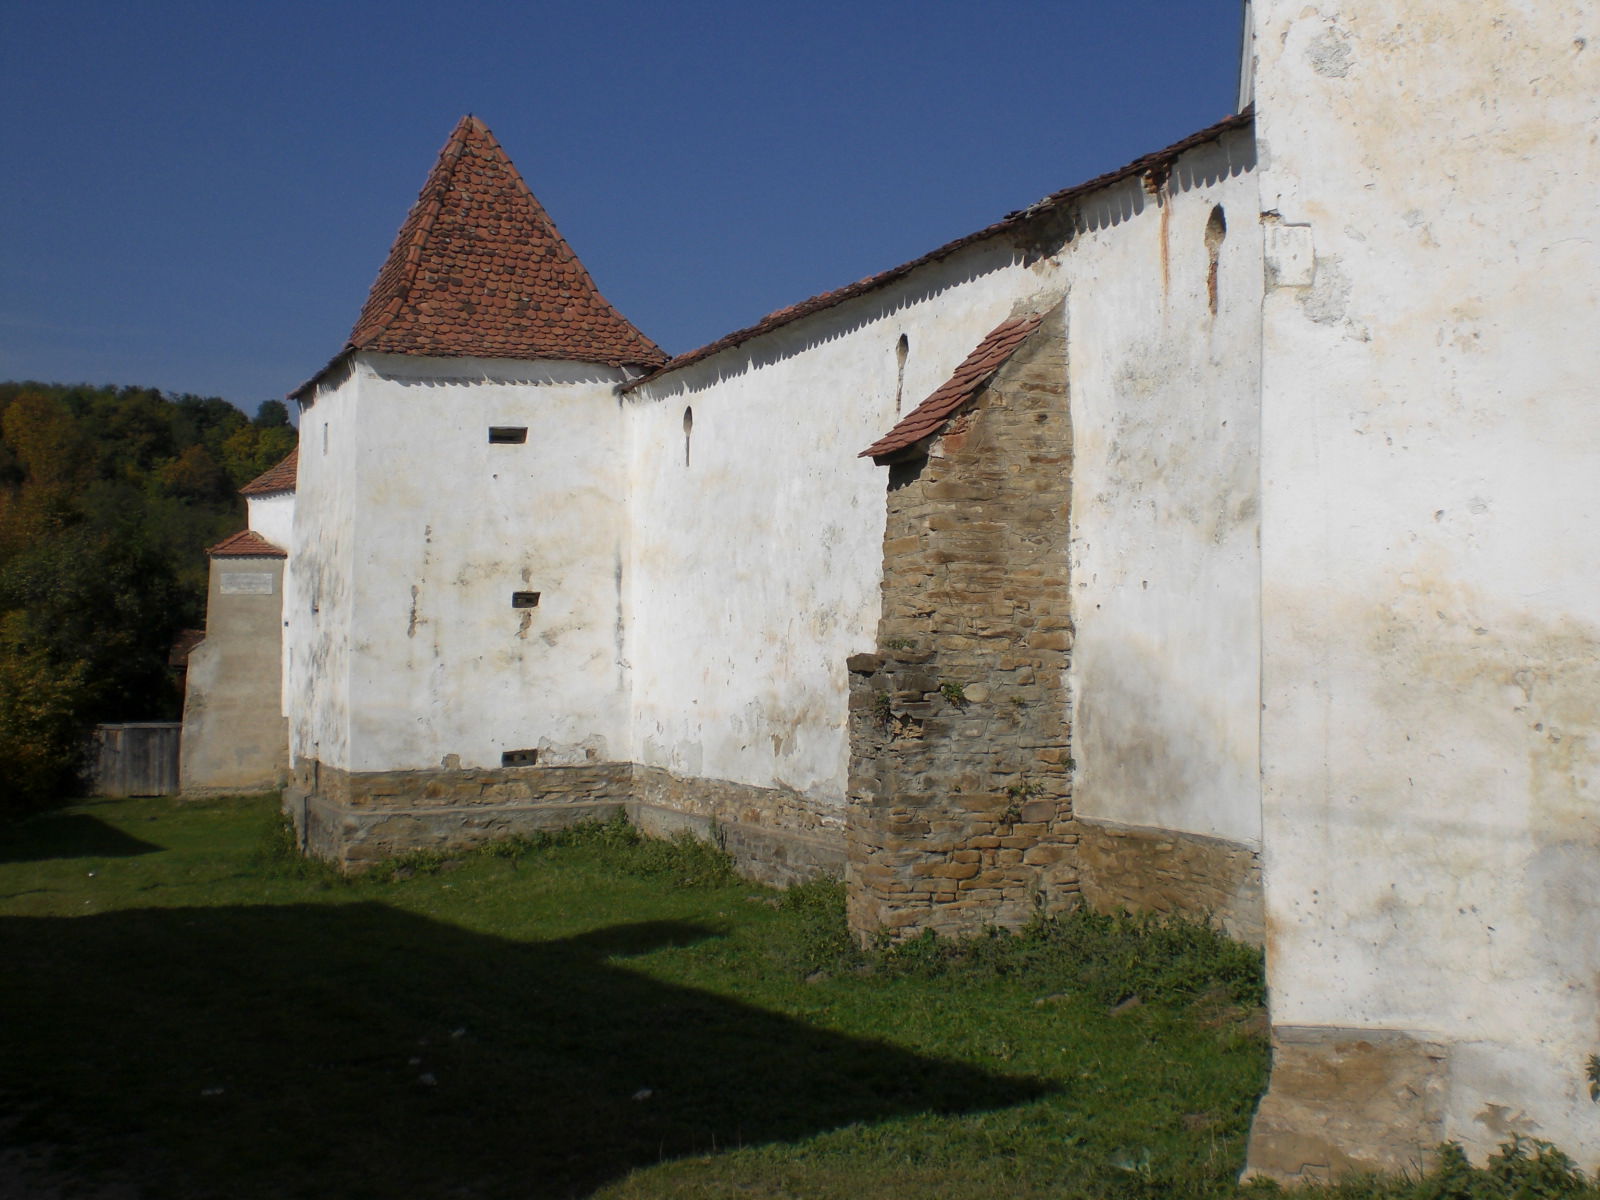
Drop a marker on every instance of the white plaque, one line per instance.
(246, 583)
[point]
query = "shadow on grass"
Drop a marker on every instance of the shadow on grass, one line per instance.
(359, 1050)
(67, 835)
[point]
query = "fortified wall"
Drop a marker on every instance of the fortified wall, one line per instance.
(601, 620)
(1214, 537)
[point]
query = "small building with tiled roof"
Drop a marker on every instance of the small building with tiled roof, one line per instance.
(269, 500)
(247, 543)
(235, 738)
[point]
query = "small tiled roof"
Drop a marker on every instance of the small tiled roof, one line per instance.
(247, 543)
(1010, 221)
(975, 370)
(280, 478)
(479, 269)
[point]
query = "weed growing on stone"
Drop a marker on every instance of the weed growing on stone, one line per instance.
(1522, 1169)
(954, 692)
(883, 706)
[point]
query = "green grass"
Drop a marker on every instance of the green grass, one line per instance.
(189, 1006)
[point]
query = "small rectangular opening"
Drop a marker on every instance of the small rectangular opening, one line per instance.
(519, 758)
(508, 435)
(524, 599)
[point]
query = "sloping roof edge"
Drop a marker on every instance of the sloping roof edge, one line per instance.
(1010, 221)
(392, 289)
(279, 478)
(987, 357)
(247, 543)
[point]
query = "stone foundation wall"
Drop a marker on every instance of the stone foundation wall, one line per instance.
(1344, 1100)
(1184, 874)
(774, 835)
(357, 819)
(960, 809)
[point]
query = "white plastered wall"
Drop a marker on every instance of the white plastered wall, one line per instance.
(446, 670)
(272, 516)
(756, 565)
(413, 532)
(318, 615)
(1164, 552)
(1431, 561)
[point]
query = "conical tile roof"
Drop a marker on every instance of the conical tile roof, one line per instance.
(479, 269)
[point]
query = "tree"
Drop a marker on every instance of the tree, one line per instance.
(108, 498)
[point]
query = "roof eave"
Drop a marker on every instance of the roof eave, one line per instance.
(1011, 221)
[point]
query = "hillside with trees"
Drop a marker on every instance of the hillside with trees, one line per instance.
(108, 500)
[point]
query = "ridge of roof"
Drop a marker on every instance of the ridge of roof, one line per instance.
(280, 478)
(479, 269)
(987, 357)
(247, 543)
(1011, 220)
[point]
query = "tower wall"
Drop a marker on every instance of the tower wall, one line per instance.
(1430, 451)
(234, 736)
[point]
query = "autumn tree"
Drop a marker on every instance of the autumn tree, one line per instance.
(108, 498)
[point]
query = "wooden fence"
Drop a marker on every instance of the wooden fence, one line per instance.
(137, 758)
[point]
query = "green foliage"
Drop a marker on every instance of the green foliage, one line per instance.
(954, 692)
(108, 499)
(1106, 957)
(1522, 1169)
(1017, 795)
(272, 414)
(587, 1026)
(882, 706)
(819, 940)
(682, 860)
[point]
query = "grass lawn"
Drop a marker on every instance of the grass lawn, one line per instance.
(187, 1007)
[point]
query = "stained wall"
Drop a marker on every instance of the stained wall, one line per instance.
(234, 735)
(472, 588)
(1429, 457)
(757, 533)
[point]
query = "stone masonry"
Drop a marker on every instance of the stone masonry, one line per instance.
(1173, 874)
(358, 819)
(960, 800)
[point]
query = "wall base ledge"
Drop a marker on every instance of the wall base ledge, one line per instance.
(1343, 1100)
(357, 819)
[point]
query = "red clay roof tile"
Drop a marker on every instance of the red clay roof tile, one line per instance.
(975, 370)
(247, 543)
(280, 478)
(479, 269)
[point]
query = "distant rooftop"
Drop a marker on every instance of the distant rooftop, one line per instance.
(280, 478)
(247, 543)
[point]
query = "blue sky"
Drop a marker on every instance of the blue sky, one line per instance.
(196, 196)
